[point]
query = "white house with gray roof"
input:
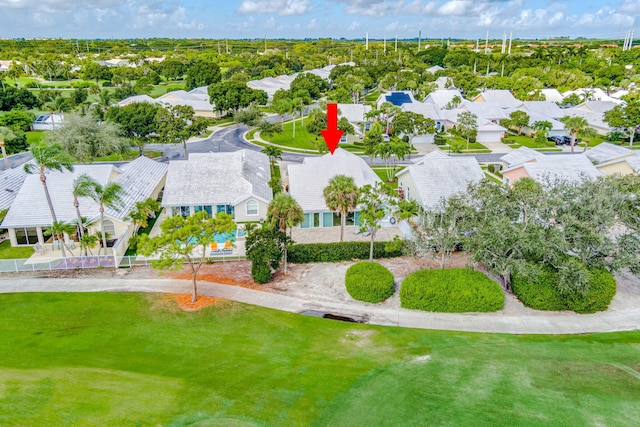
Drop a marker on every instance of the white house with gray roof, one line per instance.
(11, 181)
(521, 155)
(235, 183)
(614, 159)
(356, 115)
(501, 97)
(437, 177)
(442, 98)
(29, 216)
(549, 169)
(308, 180)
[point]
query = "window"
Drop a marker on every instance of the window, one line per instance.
(327, 219)
(252, 207)
(110, 229)
(207, 208)
(26, 236)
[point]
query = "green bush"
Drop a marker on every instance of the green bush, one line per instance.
(260, 272)
(537, 289)
(455, 290)
(369, 282)
(339, 251)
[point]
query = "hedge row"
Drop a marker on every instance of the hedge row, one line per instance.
(369, 282)
(455, 290)
(538, 290)
(340, 251)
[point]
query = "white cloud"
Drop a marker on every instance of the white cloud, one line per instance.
(353, 26)
(281, 7)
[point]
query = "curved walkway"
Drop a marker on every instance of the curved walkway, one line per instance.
(541, 323)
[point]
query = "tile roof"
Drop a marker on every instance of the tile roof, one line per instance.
(10, 182)
(543, 108)
(520, 155)
(503, 98)
(308, 180)
(354, 112)
(485, 110)
(441, 97)
(425, 109)
(439, 178)
(567, 167)
(139, 178)
(217, 178)
(606, 152)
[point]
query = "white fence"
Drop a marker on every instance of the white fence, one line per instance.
(86, 262)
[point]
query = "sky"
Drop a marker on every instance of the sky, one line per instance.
(351, 19)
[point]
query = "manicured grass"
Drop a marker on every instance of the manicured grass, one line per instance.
(526, 141)
(302, 139)
(128, 155)
(129, 359)
(34, 137)
(9, 252)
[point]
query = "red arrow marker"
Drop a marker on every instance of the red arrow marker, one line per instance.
(332, 135)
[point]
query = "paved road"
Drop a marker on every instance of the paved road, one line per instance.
(540, 323)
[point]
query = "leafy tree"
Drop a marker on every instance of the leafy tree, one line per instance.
(542, 128)
(284, 213)
(264, 248)
(316, 121)
(274, 154)
(625, 117)
(137, 121)
(231, 95)
(373, 204)
(94, 71)
(341, 196)
(574, 125)
(185, 239)
(343, 124)
(411, 124)
(16, 98)
(142, 211)
(177, 124)
(84, 138)
(5, 134)
(439, 231)
(109, 195)
(48, 157)
(281, 107)
(267, 128)
(373, 139)
(17, 120)
(173, 69)
(202, 73)
(518, 119)
(250, 116)
(467, 126)
(313, 85)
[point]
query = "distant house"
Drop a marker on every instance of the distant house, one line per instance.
(308, 180)
(396, 97)
(552, 95)
(549, 169)
(488, 131)
(427, 110)
(48, 121)
(485, 110)
(502, 98)
(197, 98)
(593, 113)
(29, 216)
(437, 177)
(356, 115)
(272, 84)
(235, 183)
(614, 159)
(521, 155)
(442, 98)
(434, 69)
(592, 94)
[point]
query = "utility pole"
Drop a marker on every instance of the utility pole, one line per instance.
(384, 46)
(419, 39)
(477, 45)
(486, 44)
(265, 42)
(510, 38)
(226, 41)
(218, 48)
(504, 42)
(366, 41)
(396, 43)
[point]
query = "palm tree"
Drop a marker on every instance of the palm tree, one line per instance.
(284, 213)
(574, 125)
(341, 195)
(109, 195)
(274, 153)
(48, 157)
(82, 187)
(58, 230)
(5, 133)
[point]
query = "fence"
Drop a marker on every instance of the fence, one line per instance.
(87, 262)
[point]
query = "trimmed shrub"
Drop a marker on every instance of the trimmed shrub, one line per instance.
(537, 289)
(455, 290)
(369, 282)
(339, 251)
(260, 272)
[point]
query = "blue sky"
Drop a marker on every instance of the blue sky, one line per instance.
(468, 19)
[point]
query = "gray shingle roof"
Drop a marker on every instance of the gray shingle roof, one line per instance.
(217, 178)
(354, 112)
(425, 109)
(442, 97)
(503, 98)
(543, 108)
(308, 180)
(485, 110)
(606, 152)
(440, 178)
(520, 155)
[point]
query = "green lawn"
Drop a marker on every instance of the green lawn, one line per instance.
(129, 359)
(9, 252)
(526, 141)
(303, 139)
(128, 155)
(34, 137)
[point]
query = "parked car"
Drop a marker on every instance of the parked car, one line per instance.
(557, 139)
(567, 140)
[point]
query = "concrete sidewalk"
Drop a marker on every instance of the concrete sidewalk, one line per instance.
(377, 314)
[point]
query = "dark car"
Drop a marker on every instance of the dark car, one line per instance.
(567, 140)
(557, 139)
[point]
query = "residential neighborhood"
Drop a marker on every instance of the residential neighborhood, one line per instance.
(339, 213)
